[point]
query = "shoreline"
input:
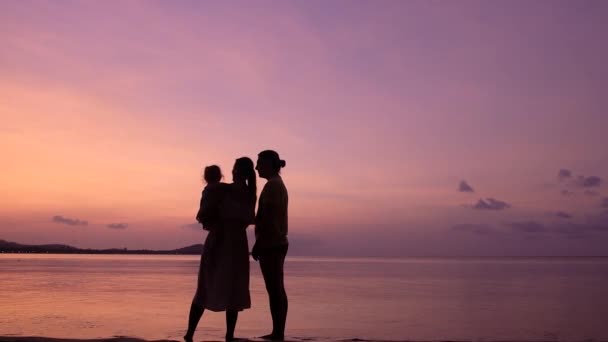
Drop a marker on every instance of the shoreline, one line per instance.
(58, 339)
(292, 339)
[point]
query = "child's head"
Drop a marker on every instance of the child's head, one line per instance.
(212, 174)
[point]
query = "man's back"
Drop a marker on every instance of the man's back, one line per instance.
(271, 220)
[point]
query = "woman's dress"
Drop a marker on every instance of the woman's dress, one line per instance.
(223, 279)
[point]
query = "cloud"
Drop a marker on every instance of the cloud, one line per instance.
(536, 229)
(566, 193)
(528, 227)
(588, 182)
(491, 204)
(562, 214)
(480, 229)
(564, 174)
(569, 229)
(604, 202)
(465, 187)
(532, 228)
(580, 180)
(68, 221)
(117, 225)
(591, 193)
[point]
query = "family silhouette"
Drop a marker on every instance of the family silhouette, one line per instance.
(226, 210)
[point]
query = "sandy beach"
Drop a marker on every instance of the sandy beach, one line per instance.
(132, 339)
(49, 339)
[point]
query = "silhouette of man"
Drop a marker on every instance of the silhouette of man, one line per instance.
(271, 243)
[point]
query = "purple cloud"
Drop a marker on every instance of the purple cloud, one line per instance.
(591, 193)
(480, 229)
(588, 182)
(566, 193)
(465, 187)
(68, 221)
(491, 204)
(117, 225)
(604, 202)
(564, 174)
(569, 229)
(528, 227)
(562, 214)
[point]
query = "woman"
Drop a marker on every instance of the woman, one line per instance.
(223, 280)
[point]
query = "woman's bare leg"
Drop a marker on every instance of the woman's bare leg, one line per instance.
(196, 312)
(231, 317)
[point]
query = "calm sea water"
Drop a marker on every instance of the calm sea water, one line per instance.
(87, 296)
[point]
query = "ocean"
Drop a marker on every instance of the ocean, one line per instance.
(429, 299)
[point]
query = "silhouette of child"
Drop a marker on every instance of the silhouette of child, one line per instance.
(212, 176)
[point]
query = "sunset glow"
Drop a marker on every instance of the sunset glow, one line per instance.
(110, 110)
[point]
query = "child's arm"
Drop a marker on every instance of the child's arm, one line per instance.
(209, 206)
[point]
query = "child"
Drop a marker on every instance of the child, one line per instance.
(212, 176)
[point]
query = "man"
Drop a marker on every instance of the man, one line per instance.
(271, 243)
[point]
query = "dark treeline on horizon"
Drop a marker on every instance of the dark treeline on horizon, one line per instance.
(13, 247)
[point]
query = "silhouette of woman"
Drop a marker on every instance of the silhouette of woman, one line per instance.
(223, 279)
(271, 238)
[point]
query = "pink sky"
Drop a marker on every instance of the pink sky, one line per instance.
(109, 111)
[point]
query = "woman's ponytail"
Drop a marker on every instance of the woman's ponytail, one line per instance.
(244, 166)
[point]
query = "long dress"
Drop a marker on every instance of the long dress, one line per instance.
(223, 279)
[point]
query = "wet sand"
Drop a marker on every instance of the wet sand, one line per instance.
(133, 339)
(49, 339)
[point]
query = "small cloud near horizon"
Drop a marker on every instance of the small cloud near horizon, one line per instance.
(465, 187)
(604, 202)
(68, 221)
(566, 192)
(117, 225)
(564, 174)
(591, 193)
(480, 229)
(567, 229)
(562, 214)
(491, 204)
(582, 181)
(527, 227)
(588, 182)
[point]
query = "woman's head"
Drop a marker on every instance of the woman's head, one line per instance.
(212, 174)
(269, 164)
(243, 172)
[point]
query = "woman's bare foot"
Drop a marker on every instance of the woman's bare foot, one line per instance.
(188, 338)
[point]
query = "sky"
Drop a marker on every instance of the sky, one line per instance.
(409, 128)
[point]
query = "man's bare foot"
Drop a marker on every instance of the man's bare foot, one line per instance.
(273, 337)
(188, 338)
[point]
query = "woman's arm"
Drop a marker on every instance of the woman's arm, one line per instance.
(238, 206)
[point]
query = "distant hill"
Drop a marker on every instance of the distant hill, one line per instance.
(13, 247)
